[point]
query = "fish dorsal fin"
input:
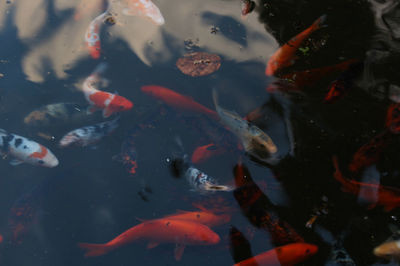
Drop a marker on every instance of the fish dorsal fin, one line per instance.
(152, 245)
(178, 252)
(182, 211)
(199, 206)
(91, 109)
(15, 162)
(107, 112)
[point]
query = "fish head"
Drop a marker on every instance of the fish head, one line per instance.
(388, 250)
(43, 157)
(302, 251)
(261, 143)
(120, 104)
(69, 139)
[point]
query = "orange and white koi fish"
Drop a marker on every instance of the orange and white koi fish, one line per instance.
(25, 150)
(290, 254)
(92, 36)
(285, 55)
(144, 8)
(100, 100)
(388, 250)
(374, 194)
(165, 230)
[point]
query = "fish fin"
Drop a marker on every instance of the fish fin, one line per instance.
(107, 112)
(320, 22)
(94, 250)
(152, 245)
(15, 162)
(91, 109)
(178, 252)
(199, 206)
(116, 93)
(215, 97)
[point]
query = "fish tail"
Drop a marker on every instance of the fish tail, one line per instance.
(320, 22)
(94, 250)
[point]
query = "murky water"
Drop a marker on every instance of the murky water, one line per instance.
(92, 197)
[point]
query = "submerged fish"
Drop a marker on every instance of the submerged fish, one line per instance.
(56, 113)
(90, 134)
(204, 217)
(290, 254)
(285, 55)
(374, 194)
(197, 179)
(178, 101)
(388, 250)
(165, 230)
(92, 36)
(144, 8)
(25, 150)
(255, 141)
(100, 100)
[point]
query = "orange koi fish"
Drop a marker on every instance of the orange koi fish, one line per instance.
(285, 55)
(178, 101)
(260, 210)
(287, 255)
(165, 230)
(389, 250)
(92, 36)
(203, 153)
(370, 152)
(100, 100)
(393, 118)
(388, 197)
(203, 217)
(308, 78)
(144, 8)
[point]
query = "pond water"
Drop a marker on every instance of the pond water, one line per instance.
(136, 173)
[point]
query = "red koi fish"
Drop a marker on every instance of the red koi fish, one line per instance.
(178, 101)
(92, 36)
(393, 118)
(158, 231)
(308, 78)
(290, 254)
(285, 55)
(370, 152)
(374, 194)
(100, 100)
(203, 217)
(205, 152)
(339, 87)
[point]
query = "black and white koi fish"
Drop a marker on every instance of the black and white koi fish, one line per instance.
(25, 150)
(255, 141)
(198, 180)
(85, 136)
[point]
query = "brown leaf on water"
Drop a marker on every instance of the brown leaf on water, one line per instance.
(198, 64)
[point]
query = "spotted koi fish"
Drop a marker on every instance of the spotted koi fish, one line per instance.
(92, 36)
(25, 150)
(88, 135)
(144, 8)
(100, 100)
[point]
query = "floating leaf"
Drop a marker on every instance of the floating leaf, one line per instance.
(198, 64)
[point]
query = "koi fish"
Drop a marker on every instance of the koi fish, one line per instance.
(260, 211)
(178, 101)
(203, 217)
(247, 7)
(388, 250)
(198, 180)
(254, 141)
(370, 152)
(393, 118)
(92, 36)
(56, 113)
(375, 194)
(100, 100)
(144, 8)
(341, 85)
(88, 135)
(285, 55)
(290, 254)
(165, 230)
(25, 150)
(308, 78)
(203, 153)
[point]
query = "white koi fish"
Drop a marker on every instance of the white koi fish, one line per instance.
(92, 36)
(25, 150)
(88, 135)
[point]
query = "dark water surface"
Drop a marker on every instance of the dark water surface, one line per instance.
(91, 197)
